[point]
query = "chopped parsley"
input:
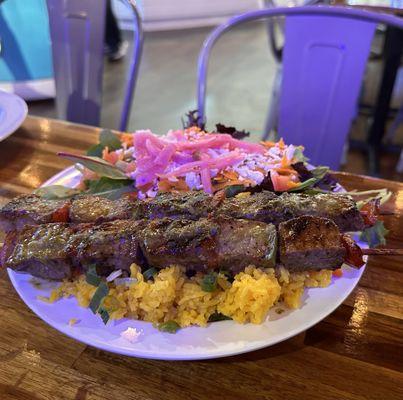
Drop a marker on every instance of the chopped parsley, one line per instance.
(169, 327)
(209, 282)
(92, 276)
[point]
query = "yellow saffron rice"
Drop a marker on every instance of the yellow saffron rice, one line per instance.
(172, 296)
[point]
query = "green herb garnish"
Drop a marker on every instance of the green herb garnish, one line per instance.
(317, 173)
(233, 190)
(149, 273)
(101, 292)
(104, 314)
(374, 235)
(169, 326)
(218, 317)
(96, 164)
(228, 275)
(106, 139)
(209, 282)
(54, 192)
(92, 276)
(111, 189)
(299, 155)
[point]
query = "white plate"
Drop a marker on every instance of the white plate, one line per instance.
(219, 339)
(13, 111)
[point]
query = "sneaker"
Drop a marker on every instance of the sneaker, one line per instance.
(120, 52)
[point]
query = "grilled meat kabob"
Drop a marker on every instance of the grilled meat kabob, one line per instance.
(59, 250)
(263, 206)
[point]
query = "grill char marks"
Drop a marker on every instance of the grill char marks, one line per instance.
(209, 243)
(54, 251)
(42, 251)
(99, 209)
(310, 243)
(32, 210)
(191, 205)
(263, 206)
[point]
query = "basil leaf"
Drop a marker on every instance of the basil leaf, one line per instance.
(97, 165)
(54, 192)
(209, 282)
(92, 276)
(106, 139)
(111, 189)
(149, 273)
(169, 326)
(109, 139)
(233, 190)
(104, 314)
(218, 317)
(95, 150)
(101, 292)
(104, 184)
(374, 235)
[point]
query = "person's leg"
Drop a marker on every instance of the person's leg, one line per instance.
(113, 38)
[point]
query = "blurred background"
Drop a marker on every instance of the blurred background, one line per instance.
(240, 81)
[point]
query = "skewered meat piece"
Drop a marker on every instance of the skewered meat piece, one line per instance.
(310, 243)
(55, 251)
(42, 251)
(32, 210)
(210, 243)
(269, 208)
(263, 206)
(100, 209)
(48, 250)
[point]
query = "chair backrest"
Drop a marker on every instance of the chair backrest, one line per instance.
(77, 33)
(325, 52)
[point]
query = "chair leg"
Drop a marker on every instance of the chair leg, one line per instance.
(390, 134)
(270, 127)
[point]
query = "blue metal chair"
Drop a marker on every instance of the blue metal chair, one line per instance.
(325, 53)
(77, 33)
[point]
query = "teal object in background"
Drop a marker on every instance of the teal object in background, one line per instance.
(25, 55)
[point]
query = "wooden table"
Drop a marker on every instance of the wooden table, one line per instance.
(355, 353)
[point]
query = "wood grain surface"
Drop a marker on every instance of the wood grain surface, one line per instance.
(355, 353)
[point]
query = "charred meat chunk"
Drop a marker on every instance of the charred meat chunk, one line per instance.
(110, 245)
(210, 243)
(55, 251)
(32, 210)
(42, 251)
(190, 205)
(99, 209)
(310, 243)
(262, 206)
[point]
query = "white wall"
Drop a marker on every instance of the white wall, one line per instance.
(179, 14)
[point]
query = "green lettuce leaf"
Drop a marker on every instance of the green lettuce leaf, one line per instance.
(54, 192)
(111, 189)
(97, 165)
(374, 235)
(106, 139)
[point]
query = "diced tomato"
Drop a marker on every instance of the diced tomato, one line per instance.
(338, 273)
(280, 182)
(370, 211)
(61, 214)
(353, 252)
